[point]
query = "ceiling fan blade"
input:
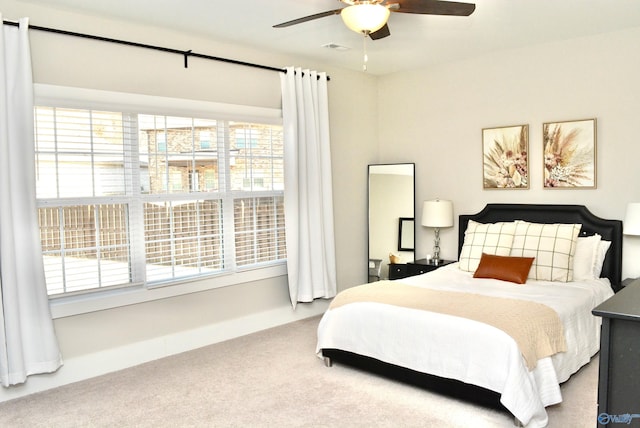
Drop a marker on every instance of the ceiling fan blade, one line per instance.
(381, 33)
(434, 7)
(308, 18)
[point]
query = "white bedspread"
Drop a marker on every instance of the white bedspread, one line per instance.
(470, 351)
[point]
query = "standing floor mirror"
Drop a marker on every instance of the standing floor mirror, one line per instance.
(391, 216)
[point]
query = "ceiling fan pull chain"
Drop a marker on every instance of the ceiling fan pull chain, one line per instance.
(365, 58)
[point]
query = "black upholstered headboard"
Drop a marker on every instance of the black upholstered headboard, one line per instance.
(610, 230)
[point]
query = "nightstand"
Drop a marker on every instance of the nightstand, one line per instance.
(627, 281)
(623, 284)
(417, 267)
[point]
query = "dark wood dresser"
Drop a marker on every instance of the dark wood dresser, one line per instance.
(619, 377)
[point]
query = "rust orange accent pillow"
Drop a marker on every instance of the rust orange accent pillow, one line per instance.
(505, 268)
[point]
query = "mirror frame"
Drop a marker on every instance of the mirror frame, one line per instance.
(406, 234)
(400, 218)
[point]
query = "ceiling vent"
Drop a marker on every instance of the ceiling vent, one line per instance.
(335, 47)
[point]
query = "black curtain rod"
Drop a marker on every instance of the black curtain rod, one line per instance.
(185, 54)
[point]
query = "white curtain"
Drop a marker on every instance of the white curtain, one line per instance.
(27, 339)
(308, 196)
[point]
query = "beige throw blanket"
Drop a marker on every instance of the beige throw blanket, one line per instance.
(535, 327)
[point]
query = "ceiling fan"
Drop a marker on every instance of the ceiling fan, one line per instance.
(370, 16)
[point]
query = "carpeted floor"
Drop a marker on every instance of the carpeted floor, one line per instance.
(269, 379)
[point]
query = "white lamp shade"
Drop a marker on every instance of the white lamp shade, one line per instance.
(365, 18)
(632, 219)
(437, 213)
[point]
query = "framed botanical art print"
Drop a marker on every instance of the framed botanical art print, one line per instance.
(505, 161)
(569, 154)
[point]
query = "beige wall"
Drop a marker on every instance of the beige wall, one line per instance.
(438, 114)
(168, 325)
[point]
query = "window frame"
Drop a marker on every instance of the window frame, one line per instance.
(81, 98)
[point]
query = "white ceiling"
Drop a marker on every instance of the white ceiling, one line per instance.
(416, 40)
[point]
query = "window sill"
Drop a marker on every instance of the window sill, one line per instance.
(91, 302)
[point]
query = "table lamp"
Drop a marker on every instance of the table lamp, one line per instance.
(436, 214)
(632, 219)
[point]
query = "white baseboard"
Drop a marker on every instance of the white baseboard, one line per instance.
(96, 364)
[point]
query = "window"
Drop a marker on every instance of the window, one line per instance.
(161, 141)
(205, 140)
(246, 138)
(130, 198)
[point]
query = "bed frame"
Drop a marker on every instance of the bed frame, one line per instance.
(610, 230)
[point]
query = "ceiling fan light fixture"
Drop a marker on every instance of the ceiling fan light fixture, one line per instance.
(365, 17)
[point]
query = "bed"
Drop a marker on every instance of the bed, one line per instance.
(451, 348)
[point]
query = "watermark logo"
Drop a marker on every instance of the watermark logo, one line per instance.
(625, 418)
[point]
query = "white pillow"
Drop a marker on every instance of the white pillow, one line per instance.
(584, 260)
(600, 255)
(489, 238)
(552, 245)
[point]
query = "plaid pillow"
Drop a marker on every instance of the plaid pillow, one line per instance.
(552, 245)
(488, 238)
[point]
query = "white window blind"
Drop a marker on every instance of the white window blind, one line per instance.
(130, 198)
